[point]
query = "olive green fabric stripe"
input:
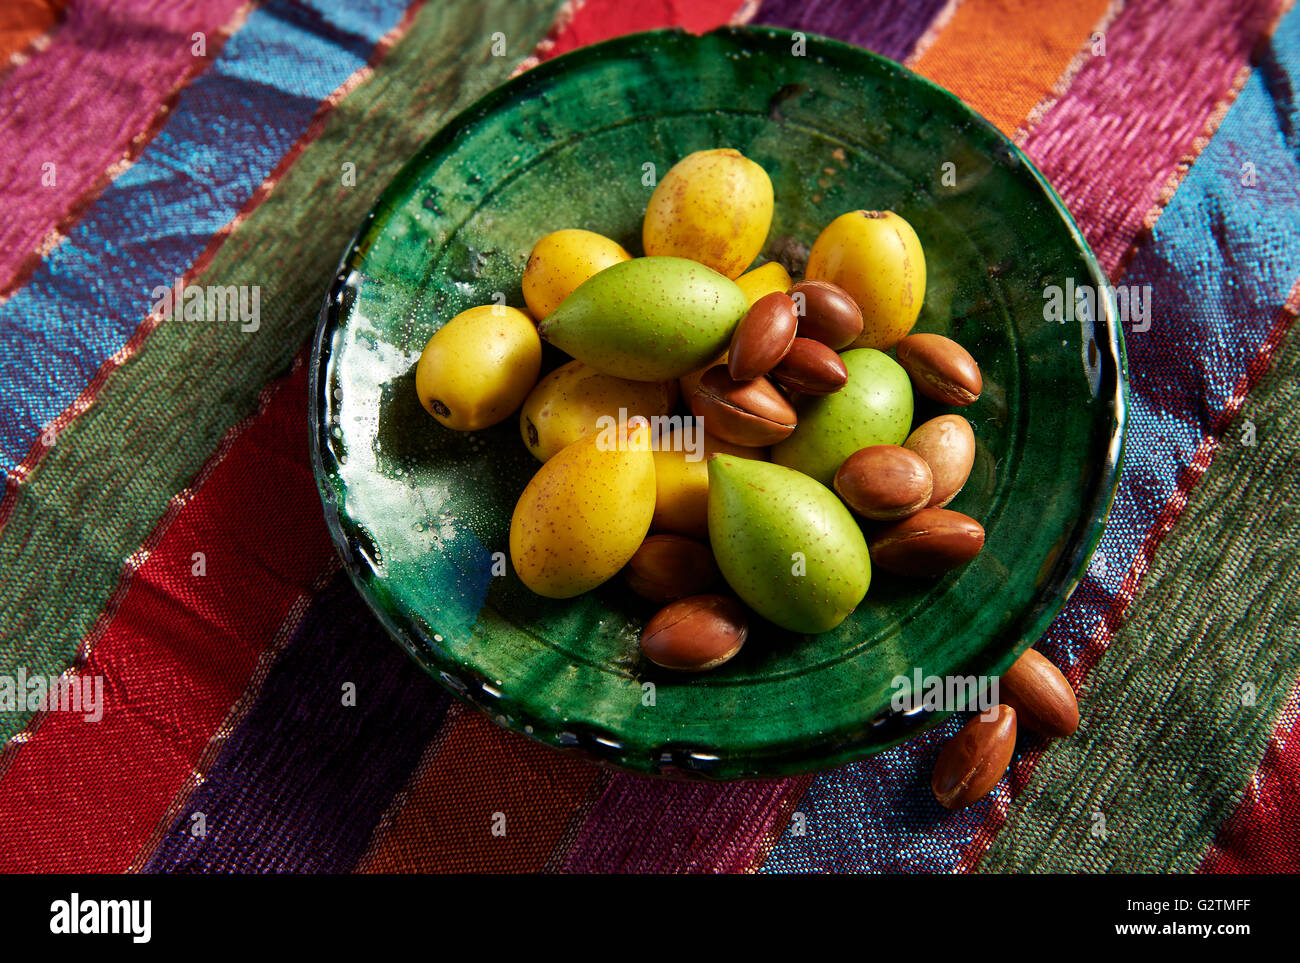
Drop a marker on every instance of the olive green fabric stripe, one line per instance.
(1168, 743)
(99, 492)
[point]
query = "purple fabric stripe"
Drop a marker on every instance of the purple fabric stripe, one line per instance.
(286, 793)
(1223, 260)
(82, 102)
(644, 825)
(890, 28)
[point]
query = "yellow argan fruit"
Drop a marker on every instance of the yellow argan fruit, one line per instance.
(478, 368)
(585, 512)
(762, 281)
(876, 257)
(713, 206)
(569, 402)
(682, 483)
(561, 261)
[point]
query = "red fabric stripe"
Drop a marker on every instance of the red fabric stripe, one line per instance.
(598, 20)
(83, 797)
(1263, 835)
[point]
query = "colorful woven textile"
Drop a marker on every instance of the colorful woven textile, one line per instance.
(160, 529)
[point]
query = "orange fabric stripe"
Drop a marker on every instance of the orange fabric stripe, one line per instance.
(1004, 56)
(22, 21)
(445, 821)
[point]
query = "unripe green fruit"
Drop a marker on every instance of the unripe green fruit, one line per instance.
(785, 544)
(648, 319)
(874, 408)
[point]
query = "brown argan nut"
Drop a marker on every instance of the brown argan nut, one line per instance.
(884, 482)
(973, 762)
(812, 368)
(696, 633)
(941, 369)
(1041, 696)
(928, 543)
(827, 313)
(750, 413)
(670, 567)
(762, 337)
(947, 444)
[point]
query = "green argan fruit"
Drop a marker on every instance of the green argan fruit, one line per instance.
(874, 408)
(785, 544)
(648, 319)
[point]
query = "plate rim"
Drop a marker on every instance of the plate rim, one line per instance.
(669, 759)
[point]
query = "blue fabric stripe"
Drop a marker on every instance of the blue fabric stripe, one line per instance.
(84, 301)
(1223, 259)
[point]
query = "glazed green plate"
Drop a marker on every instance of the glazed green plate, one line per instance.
(421, 514)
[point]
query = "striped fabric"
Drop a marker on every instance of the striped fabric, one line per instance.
(160, 527)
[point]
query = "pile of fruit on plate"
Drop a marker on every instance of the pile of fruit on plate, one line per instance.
(743, 417)
(732, 440)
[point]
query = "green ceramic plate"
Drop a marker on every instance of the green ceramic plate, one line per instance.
(419, 512)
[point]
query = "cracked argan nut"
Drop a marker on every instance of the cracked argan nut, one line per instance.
(973, 762)
(928, 543)
(696, 633)
(750, 413)
(941, 369)
(670, 567)
(884, 482)
(762, 337)
(947, 444)
(1041, 696)
(826, 313)
(811, 368)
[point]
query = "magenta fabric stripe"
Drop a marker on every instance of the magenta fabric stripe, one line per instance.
(1117, 143)
(644, 825)
(61, 141)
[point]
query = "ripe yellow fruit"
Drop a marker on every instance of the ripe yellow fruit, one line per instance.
(585, 512)
(478, 368)
(877, 258)
(713, 206)
(682, 484)
(561, 261)
(568, 403)
(769, 278)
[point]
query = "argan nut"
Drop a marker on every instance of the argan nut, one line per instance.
(812, 368)
(947, 444)
(670, 567)
(884, 482)
(1041, 696)
(941, 369)
(927, 544)
(750, 413)
(762, 337)
(696, 633)
(972, 764)
(827, 313)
